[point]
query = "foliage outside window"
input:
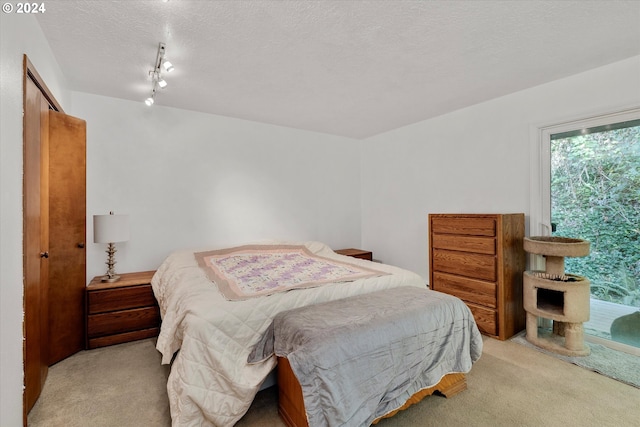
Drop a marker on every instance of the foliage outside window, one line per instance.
(595, 195)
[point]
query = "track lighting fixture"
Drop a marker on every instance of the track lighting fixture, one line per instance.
(156, 74)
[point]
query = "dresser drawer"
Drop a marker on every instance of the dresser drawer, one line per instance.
(101, 301)
(466, 226)
(486, 319)
(122, 321)
(452, 242)
(477, 266)
(478, 291)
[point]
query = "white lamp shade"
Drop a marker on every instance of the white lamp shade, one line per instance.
(110, 228)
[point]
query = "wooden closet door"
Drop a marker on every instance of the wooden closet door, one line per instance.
(36, 241)
(67, 231)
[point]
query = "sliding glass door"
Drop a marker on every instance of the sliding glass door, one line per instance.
(594, 194)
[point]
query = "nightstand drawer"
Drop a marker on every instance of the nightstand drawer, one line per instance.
(122, 338)
(122, 321)
(105, 300)
(481, 292)
(477, 266)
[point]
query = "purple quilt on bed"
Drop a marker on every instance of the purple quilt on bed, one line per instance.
(258, 270)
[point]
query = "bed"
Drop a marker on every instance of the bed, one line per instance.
(208, 338)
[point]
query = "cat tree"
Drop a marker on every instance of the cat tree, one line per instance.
(557, 296)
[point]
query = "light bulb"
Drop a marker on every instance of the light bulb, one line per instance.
(162, 83)
(168, 66)
(149, 101)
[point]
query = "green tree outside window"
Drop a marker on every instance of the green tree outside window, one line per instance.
(595, 195)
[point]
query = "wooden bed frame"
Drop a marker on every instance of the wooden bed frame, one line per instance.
(291, 403)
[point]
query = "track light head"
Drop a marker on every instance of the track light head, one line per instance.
(149, 101)
(162, 83)
(168, 66)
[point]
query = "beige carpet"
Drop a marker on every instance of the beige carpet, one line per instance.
(614, 364)
(511, 385)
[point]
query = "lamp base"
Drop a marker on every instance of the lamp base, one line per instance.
(111, 276)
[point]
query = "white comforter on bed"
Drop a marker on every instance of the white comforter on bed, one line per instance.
(211, 382)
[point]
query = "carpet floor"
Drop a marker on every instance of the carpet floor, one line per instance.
(611, 363)
(511, 385)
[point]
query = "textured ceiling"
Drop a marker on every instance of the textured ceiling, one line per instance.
(351, 68)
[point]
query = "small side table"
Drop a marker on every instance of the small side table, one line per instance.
(356, 253)
(121, 311)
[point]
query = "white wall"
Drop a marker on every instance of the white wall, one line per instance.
(19, 34)
(193, 180)
(475, 160)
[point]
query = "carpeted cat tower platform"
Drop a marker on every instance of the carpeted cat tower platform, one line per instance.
(556, 296)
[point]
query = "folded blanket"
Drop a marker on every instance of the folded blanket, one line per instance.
(362, 357)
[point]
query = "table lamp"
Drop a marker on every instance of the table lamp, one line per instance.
(110, 229)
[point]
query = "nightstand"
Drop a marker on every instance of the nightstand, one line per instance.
(356, 253)
(122, 311)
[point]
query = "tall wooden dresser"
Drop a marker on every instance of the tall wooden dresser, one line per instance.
(480, 259)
